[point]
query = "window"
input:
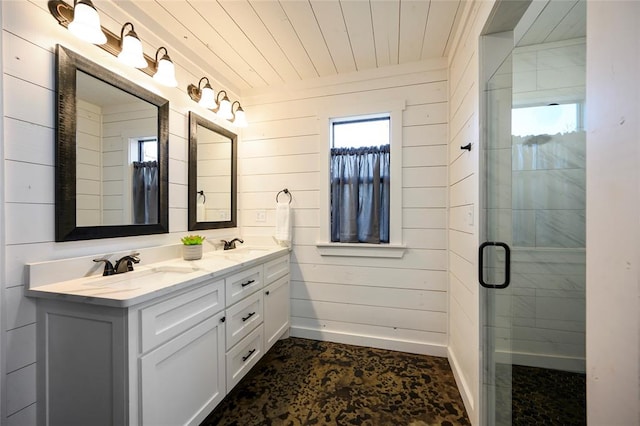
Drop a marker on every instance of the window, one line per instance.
(147, 150)
(545, 120)
(343, 117)
(360, 180)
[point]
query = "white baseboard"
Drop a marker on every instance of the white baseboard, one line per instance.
(370, 341)
(554, 362)
(463, 388)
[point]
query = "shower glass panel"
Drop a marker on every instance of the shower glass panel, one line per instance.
(534, 201)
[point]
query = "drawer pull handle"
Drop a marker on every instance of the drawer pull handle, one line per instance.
(248, 316)
(247, 283)
(247, 356)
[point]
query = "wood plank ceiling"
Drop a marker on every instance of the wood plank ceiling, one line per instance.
(261, 43)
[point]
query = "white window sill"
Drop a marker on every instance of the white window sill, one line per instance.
(361, 250)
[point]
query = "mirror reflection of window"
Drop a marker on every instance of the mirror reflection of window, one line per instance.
(148, 149)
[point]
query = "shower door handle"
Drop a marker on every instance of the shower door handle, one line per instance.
(507, 264)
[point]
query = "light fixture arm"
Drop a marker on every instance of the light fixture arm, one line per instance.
(166, 53)
(218, 102)
(233, 104)
(220, 93)
(201, 80)
(130, 32)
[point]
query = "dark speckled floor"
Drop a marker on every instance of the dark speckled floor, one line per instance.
(306, 382)
(541, 396)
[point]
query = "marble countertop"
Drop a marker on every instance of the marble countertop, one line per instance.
(150, 281)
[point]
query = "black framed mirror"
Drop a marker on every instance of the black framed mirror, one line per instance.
(212, 175)
(112, 153)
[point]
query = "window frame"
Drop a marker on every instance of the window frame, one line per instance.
(351, 112)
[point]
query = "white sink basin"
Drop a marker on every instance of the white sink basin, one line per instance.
(132, 280)
(244, 253)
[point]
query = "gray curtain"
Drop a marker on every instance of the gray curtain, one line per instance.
(360, 194)
(145, 192)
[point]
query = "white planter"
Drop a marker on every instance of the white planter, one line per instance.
(192, 252)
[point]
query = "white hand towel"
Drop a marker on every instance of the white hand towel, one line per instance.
(283, 224)
(201, 212)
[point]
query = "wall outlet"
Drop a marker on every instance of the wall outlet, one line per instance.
(261, 216)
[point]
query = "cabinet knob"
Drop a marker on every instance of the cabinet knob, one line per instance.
(266, 292)
(223, 319)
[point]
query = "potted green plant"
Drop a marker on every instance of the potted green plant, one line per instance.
(192, 247)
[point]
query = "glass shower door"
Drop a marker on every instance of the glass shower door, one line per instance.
(532, 260)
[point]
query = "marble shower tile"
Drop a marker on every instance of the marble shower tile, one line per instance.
(566, 151)
(549, 189)
(560, 228)
(524, 228)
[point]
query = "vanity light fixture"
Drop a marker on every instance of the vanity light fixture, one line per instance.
(131, 53)
(239, 117)
(205, 97)
(86, 23)
(224, 108)
(165, 69)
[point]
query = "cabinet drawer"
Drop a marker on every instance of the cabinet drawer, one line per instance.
(242, 284)
(275, 269)
(243, 317)
(165, 320)
(243, 357)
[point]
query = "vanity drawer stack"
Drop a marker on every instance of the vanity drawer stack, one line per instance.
(257, 315)
(244, 323)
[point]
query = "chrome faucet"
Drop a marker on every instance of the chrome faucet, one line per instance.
(124, 264)
(230, 245)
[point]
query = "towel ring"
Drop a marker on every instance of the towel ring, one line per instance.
(286, 191)
(204, 201)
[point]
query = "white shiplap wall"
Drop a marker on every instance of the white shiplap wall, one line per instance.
(464, 226)
(89, 161)
(29, 36)
(392, 303)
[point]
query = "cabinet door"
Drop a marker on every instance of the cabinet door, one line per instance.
(183, 380)
(276, 311)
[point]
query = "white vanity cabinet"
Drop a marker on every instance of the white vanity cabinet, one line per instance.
(168, 360)
(166, 355)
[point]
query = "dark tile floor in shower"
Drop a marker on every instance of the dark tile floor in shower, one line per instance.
(306, 382)
(541, 396)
